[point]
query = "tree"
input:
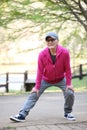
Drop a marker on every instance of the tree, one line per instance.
(73, 10)
(21, 18)
(76, 10)
(54, 10)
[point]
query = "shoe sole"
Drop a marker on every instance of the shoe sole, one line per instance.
(70, 119)
(15, 119)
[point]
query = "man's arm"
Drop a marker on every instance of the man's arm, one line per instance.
(68, 72)
(40, 69)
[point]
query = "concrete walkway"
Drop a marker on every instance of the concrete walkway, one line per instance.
(47, 113)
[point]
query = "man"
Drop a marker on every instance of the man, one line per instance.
(53, 70)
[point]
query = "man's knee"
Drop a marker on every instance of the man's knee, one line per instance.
(70, 93)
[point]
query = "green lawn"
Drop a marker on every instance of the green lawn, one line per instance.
(79, 85)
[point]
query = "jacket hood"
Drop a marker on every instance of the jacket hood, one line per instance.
(59, 50)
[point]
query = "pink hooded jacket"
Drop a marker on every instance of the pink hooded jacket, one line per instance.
(53, 73)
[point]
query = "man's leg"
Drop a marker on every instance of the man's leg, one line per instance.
(30, 102)
(32, 99)
(69, 100)
(68, 96)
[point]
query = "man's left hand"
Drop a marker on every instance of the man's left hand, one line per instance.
(70, 87)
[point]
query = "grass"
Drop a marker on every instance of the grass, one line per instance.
(79, 85)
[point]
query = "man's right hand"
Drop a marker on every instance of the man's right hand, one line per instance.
(35, 90)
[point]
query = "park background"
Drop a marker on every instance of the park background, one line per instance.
(23, 25)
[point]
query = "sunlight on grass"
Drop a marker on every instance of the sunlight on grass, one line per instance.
(79, 85)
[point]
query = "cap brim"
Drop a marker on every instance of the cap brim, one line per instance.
(50, 36)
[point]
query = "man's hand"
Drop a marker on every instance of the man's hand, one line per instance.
(70, 87)
(35, 90)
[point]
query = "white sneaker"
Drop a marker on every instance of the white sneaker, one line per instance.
(69, 116)
(17, 118)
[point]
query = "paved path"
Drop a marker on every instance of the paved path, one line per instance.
(47, 113)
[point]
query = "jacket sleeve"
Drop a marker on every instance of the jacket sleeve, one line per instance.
(68, 69)
(40, 69)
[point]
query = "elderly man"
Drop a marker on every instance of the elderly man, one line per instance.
(53, 70)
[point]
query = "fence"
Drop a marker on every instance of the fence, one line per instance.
(78, 72)
(7, 78)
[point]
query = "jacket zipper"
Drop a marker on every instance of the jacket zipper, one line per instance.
(54, 70)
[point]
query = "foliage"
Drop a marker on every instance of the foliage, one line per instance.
(76, 10)
(52, 11)
(60, 15)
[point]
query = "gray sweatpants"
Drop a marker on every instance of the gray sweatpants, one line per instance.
(32, 99)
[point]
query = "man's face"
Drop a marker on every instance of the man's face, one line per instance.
(51, 42)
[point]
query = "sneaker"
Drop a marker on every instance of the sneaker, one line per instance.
(69, 116)
(17, 118)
